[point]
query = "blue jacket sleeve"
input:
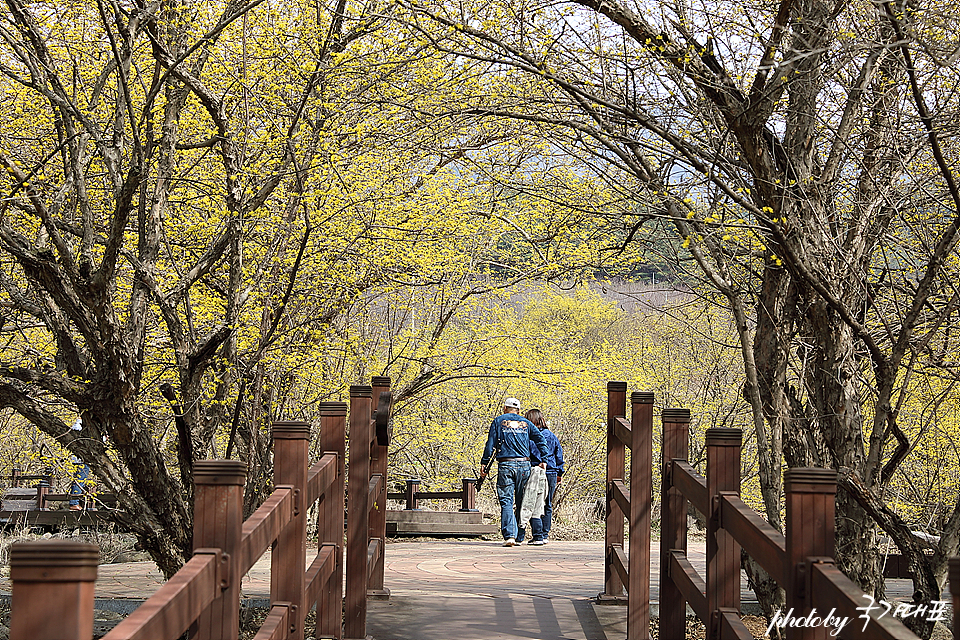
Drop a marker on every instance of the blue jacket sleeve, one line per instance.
(535, 456)
(536, 441)
(491, 443)
(559, 456)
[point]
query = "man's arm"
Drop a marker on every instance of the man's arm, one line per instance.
(536, 441)
(488, 449)
(536, 458)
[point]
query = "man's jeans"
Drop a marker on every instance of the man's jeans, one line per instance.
(512, 476)
(540, 527)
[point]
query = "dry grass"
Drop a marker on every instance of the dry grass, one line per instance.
(576, 521)
(571, 520)
(114, 547)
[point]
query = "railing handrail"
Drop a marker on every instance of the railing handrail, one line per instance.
(264, 525)
(623, 571)
(811, 580)
(691, 484)
(178, 602)
(827, 582)
(623, 431)
(794, 562)
(205, 593)
(181, 601)
(206, 589)
(275, 625)
(321, 475)
(428, 495)
(412, 494)
(767, 545)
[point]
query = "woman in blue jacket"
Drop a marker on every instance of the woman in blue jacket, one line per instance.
(552, 455)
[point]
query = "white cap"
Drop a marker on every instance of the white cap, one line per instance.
(512, 403)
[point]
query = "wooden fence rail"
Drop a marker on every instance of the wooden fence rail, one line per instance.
(204, 596)
(621, 570)
(801, 561)
(17, 477)
(28, 501)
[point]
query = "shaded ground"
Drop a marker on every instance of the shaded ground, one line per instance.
(463, 589)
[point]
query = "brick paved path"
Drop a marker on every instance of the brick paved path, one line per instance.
(465, 590)
(479, 590)
(468, 590)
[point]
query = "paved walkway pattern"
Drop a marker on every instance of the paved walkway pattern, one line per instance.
(482, 591)
(468, 590)
(465, 590)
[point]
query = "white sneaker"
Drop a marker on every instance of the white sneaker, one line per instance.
(544, 541)
(510, 542)
(538, 543)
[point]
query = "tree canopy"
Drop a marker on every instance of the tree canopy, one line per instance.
(219, 213)
(803, 154)
(205, 201)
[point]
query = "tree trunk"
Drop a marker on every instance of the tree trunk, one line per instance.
(770, 595)
(833, 387)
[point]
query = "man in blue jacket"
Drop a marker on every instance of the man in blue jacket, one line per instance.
(510, 436)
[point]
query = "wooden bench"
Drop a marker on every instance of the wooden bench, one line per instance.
(22, 506)
(413, 521)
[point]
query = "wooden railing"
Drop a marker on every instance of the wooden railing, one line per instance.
(204, 596)
(621, 570)
(412, 495)
(50, 510)
(801, 561)
(366, 512)
(87, 500)
(41, 492)
(17, 477)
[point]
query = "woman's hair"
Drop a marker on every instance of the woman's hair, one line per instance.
(534, 416)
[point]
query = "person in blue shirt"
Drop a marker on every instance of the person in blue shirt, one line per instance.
(552, 456)
(81, 474)
(510, 436)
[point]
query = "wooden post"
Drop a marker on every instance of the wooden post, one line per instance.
(469, 499)
(333, 418)
(291, 443)
(616, 467)
(723, 551)
(358, 514)
(52, 590)
(810, 504)
(673, 521)
(217, 523)
(955, 592)
(15, 474)
(641, 497)
(43, 488)
(410, 493)
(378, 513)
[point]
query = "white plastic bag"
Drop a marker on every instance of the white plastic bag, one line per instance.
(534, 495)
